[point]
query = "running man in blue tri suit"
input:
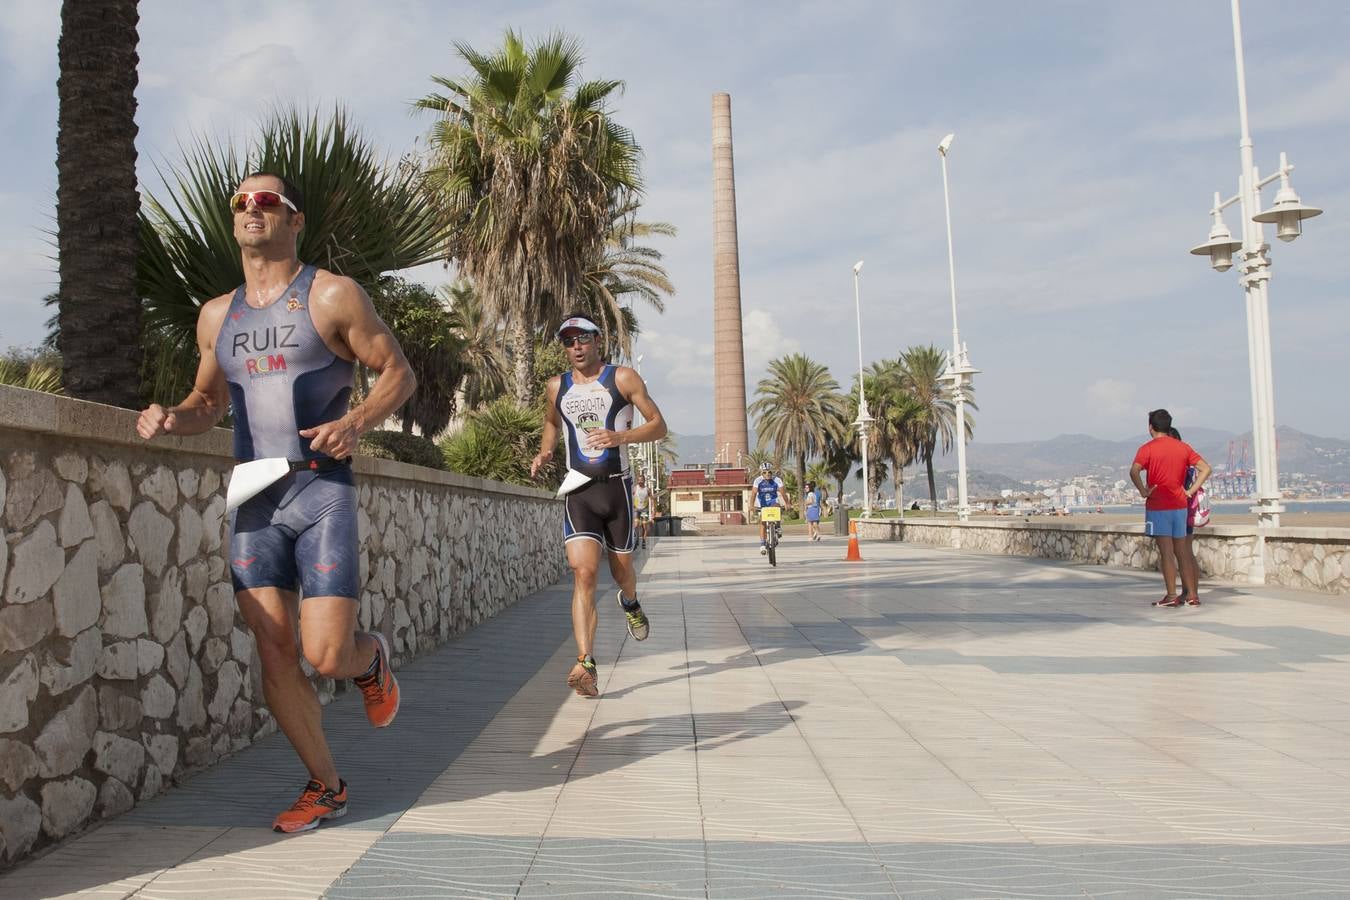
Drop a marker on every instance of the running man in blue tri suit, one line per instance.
(279, 353)
(591, 406)
(769, 491)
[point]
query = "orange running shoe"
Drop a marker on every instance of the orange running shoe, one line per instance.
(380, 690)
(315, 803)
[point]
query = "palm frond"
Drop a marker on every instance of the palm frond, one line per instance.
(526, 174)
(364, 216)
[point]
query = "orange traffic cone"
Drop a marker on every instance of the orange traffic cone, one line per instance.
(853, 555)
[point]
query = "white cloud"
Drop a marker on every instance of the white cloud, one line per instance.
(1112, 398)
(27, 257)
(28, 34)
(30, 276)
(675, 359)
(763, 341)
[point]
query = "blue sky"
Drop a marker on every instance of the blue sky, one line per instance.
(1090, 138)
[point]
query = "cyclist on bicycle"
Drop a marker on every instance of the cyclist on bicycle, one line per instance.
(769, 491)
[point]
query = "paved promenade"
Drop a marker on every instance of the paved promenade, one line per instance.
(925, 724)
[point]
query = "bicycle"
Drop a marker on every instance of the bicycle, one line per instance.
(772, 517)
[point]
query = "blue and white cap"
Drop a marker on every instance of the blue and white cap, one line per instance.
(579, 322)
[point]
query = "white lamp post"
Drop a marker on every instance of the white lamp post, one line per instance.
(656, 470)
(959, 369)
(1286, 215)
(863, 418)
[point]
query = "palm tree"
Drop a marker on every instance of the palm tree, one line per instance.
(877, 472)
(363, 217)
(877, 437)
(898, 420)
(96, 201)
(758, 457)
(528, 165)
(668, 450)
(839, 456)
(479, 348)
(796, 409)
(627, 269)
(934, 417)
(423, 325)
(550, 359)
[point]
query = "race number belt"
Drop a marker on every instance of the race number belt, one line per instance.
(327, 464)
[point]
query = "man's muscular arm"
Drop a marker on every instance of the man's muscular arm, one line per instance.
(549, 439)
(634, 389)
(347, 313)
(205, 405)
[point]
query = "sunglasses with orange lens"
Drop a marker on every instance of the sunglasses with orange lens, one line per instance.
(261, 199)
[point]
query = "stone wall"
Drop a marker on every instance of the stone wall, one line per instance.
(1310, 558)
(123, 661)
(1306, 558)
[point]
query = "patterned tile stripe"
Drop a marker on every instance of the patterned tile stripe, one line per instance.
(923, 724)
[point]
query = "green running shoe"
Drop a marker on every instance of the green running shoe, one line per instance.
(638, 626)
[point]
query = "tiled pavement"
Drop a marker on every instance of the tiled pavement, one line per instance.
(925, 723)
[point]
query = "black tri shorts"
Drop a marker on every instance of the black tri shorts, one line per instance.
(601, 511)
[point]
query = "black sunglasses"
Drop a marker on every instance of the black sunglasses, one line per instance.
(582, 339)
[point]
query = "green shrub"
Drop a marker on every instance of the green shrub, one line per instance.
(499, 442)
(36, 369)
(407, 448)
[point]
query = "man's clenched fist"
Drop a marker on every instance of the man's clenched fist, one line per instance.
(154, 421)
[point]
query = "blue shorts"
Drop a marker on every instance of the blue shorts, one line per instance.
(1165, 523)
(300, 532)
(813, 514)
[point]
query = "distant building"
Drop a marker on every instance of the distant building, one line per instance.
(713, 495)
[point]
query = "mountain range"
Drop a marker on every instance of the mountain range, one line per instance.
(1323, 458)
(1066, 455)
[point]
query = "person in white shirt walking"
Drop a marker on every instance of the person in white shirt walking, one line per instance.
(643, 501)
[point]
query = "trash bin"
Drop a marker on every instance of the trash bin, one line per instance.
(675, 524)
(841, 521)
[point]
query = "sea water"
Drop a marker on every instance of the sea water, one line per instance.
(1231, 506)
